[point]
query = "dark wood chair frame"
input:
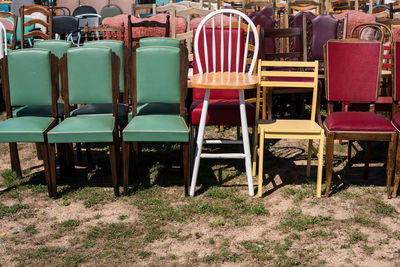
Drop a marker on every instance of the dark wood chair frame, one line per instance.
(28, 10)
(147, 24)
(128, 147)
(301, 55)
(13, 43)
(15, 162)
(67, 153)
(373, 136)
(104, 32)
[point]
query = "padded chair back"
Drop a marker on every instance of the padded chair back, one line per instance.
(80, 10)
(64, 25)
(221, 50)
(57, 47)
(165, 87)
(29, 73)
(298, 21)
(118, 48)
(264, 18)
(89, 75)
(110, 10)
(159, 41)
(352, 70)
(324, 28)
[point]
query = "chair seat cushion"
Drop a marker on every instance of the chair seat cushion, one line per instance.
(39, 111)
(24, 129)
(396, 121)
(156, 108)
(83, 129)
(222, 112)
(156, 128)
(357, 122)
(105, 109)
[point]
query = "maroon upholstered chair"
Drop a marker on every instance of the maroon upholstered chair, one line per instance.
(352, 76)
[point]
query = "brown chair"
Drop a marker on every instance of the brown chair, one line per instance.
(11, 26)
(285, 53)
(104, 32)
(304, 5)
(47, 23)
(145, 24)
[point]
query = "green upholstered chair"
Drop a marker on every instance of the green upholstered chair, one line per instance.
(157, 108)
(29, 77)
(122, 52)
(90, 76)
(58, 48)
(159, 77)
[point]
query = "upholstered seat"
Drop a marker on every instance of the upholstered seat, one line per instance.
(354, 121)
(157, 128)
(221, 112)
(24, 129)
(80, 129)
(39, 111)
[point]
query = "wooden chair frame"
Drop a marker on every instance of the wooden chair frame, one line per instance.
(13, 43)
(15, 162)
(331, 136)
(128, 147)
(114, 146)
(28, 10)
(105, 32)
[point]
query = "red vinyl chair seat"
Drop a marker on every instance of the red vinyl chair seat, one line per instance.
(222, 112)
(396, 121)
(354, 121)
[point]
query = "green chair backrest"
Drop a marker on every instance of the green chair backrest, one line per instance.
(158, 74)
(57, 47)
(159, 41)
(118, 48)
(29, 72)
(89, 75)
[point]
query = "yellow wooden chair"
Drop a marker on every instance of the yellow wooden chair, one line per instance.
(284, 74)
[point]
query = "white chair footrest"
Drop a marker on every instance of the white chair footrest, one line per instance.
(223, 155)
(222, 142)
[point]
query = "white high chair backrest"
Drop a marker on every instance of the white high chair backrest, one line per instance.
(202, 28)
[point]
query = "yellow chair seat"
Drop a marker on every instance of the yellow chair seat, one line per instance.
(289, 126)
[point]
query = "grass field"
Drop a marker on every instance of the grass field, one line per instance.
(157, 226)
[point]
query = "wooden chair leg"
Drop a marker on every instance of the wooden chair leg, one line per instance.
(135, 157)
(367, 159)
(39, 151)
(329, 161)
(255, 150)
(79, 152)
(264, 103)
(88, 153)
(126, 147)
(70, 160)
(52, 165)
(309, 155)
(15, 164)
(301, 100)
(260, 164)
(348, 149)
(62, 160)
(269, 103)
(114, 172)
(397, 172)
(390, 165)
(320, 164)
(45, 154)
(185, 156)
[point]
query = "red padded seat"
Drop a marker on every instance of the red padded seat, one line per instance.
(354, 121)
(222, 112)
(396, 121)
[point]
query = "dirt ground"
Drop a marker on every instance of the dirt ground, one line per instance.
(222, 226)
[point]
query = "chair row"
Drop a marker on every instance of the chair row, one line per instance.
(90, 75)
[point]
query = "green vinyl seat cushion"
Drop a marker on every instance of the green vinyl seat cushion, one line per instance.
(104, 109)
(83, 129)
(159, 41)
(24, 129)
(156, 108)
(156, 128)
(38, 111)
